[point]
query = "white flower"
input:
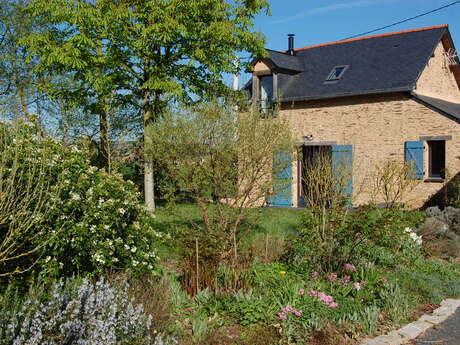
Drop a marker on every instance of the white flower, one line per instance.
(122, 210)
(133, 249)
(416, 238)
(75, 196)
(99, 258)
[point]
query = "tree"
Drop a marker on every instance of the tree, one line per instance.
(19, 86)
(151, 51)
(224, 163)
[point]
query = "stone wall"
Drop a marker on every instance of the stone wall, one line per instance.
(437, 80)
(377, 126)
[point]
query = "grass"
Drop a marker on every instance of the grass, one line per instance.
(272, 223)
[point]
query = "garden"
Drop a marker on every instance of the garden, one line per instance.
(134, 184)
(83, 261)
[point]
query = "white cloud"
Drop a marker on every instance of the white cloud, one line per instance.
(326, 9)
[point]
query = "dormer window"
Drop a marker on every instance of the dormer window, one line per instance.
(336, 73)
(266, 94)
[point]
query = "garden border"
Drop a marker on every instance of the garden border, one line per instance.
(414, 329)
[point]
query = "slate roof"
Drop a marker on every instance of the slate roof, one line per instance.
(285, 61)
(377, 64)
(449, 109)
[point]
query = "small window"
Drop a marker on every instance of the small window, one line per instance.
(436, 159)
(266, 95)
(336, 73)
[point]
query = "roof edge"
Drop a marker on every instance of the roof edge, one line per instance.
(374, 36)
(416, 97)
(349, 94)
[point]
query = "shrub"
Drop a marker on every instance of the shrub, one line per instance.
(326, 182)
(223, 162)
(23, 200)
(94, 221)
(391, 182)
(331, 239)
(73, 312)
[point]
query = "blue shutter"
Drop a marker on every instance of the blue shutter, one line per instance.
(282, 174)
(342, 162)
(413, 154)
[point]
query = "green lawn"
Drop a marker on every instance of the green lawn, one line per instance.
(274, 222)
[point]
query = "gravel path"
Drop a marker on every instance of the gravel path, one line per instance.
(446, 333)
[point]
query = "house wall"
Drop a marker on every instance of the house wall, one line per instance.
(377, 126)
(437, 80)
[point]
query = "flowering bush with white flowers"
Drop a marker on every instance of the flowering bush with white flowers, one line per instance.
(94, 220)
(74, 312)
(413, 235)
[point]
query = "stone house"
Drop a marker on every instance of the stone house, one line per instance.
(394, 96)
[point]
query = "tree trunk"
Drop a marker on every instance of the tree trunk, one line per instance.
(103, 109)
(104, 150)
(33, 118)
(148, 163)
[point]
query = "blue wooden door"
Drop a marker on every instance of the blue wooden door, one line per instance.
(413, 154)
(342, 168)
(282, 175)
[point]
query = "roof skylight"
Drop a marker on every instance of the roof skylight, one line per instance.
(337, 73)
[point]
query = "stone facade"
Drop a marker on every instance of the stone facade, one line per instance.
(377, 126)
(437, 79)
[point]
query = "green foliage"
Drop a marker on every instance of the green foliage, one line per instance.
(94, 221)
(142, 54)
(24, 191)
(144, 46)
(453, 192)
(393, 275)
(223, 162)
(330, 238)
(396, 302)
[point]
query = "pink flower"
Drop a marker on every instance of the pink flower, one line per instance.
(326, 299)
(301, 292)
(314, 275)
(346, 279)
(331, 277)
(287, 309)
(298, 312)
(282, 315)
(362, 283)
(349, 267)
(357, 286)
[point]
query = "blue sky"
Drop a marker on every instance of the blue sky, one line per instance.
(323, 21)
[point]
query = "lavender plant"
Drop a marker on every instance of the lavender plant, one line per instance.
(74, 312)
